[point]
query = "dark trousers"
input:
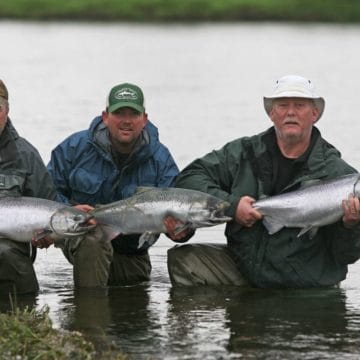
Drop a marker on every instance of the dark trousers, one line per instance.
(17, 273)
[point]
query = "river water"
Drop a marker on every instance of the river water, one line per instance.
(203, 85)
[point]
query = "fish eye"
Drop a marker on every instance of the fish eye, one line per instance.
(77, 218)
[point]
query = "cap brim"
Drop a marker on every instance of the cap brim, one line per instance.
(120, 105)
(319, 102)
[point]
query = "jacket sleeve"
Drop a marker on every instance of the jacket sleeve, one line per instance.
(59, 168)
(38, 180)
(168, 170)
(345, 243)
(213, 174)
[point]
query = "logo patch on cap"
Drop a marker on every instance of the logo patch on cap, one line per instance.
(126, 94)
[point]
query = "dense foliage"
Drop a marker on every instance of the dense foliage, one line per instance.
(28, 334)
(184, 10)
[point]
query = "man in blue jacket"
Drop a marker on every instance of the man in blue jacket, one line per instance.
(105, 163)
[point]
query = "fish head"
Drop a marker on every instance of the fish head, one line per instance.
(69, 221)
(209, 212)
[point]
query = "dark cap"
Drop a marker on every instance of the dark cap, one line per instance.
(3, 91)
(125, 95)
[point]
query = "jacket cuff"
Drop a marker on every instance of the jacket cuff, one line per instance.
(231, 210)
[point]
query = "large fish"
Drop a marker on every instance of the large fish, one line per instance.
(309, 207)
(144, 212)
(24, 218)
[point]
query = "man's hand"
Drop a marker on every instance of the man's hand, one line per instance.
(86, 208)
(351, 208)
(43, 242)
(245, 214)
(172, 225)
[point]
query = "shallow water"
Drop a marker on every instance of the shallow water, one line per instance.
(155, 321)
(203, 86)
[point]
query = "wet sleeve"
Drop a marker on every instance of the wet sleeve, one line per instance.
(59, 168)
(38, 180)
(168, 170)
(345, 243)
(210, 174)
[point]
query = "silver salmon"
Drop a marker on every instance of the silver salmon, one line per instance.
(310, 207)
(144, 212)
(24, 218)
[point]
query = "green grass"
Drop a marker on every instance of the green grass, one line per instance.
(183, 10)
(28, 334)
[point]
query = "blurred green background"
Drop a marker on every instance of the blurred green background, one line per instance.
(342, 11)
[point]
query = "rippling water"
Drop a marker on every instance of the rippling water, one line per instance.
(203, 86)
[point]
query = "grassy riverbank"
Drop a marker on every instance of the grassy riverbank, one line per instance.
(28, 334)
(183, 10)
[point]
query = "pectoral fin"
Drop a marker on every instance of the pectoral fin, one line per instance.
(272, 225)
(110, 232)
(181, 227)
(40, 234)
(147, 238)
(311, 229)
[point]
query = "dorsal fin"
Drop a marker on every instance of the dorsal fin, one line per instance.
(142, 189)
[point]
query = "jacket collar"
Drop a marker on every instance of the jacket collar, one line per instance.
(145, 147)
(9, 131)
(314, 167)
(317, 156)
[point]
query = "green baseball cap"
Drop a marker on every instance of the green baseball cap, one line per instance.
(3, 91)
(125, 95)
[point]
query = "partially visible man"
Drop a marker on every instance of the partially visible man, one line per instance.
(105, 163)
(22, 173)
(278, 160)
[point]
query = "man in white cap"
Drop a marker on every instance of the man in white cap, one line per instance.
(278, 160)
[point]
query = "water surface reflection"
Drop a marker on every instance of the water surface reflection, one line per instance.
(204, 85)
(278, 324)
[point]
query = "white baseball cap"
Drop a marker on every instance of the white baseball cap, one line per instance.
(294, 86)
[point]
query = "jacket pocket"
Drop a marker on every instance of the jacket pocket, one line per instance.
(11, 184)
(85, 185)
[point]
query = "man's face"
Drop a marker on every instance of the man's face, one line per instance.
(4, 110)
(125, 126)
(293, 118)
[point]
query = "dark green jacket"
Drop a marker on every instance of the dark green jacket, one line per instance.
(244, 167)
(22, 171)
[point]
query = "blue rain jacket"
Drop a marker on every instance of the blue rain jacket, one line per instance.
(85, 172)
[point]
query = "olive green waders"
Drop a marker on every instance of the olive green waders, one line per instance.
(96, 264)
(203, 264)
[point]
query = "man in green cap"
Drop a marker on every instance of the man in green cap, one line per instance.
(22, 173)
(105, 163)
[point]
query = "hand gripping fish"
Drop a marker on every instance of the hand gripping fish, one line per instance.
(144, 212)
(309, 207)
(24, 218)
